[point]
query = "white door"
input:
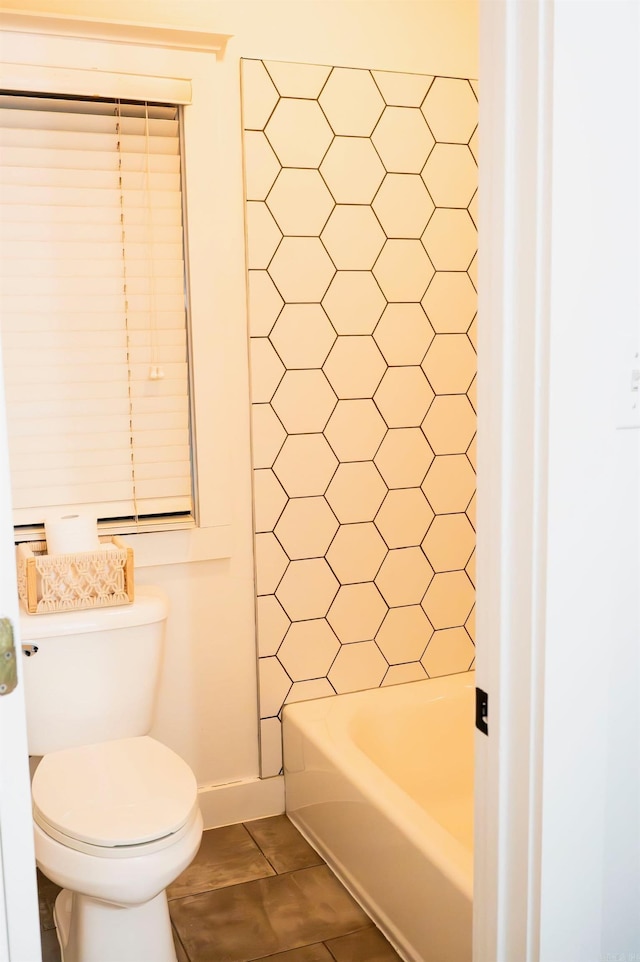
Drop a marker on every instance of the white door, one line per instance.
(19, 926)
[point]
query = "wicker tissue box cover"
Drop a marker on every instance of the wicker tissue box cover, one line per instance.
(88, 579)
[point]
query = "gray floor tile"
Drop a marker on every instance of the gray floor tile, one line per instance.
(50, 947)
(47, 894)
(246, 922)
(368, 945)
(282, 844)
(181, 955)
(227, 856)
(308, 953)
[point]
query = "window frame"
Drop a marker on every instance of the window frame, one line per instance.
(32, 60)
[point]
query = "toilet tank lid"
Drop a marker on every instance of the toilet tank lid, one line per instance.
(150, 606)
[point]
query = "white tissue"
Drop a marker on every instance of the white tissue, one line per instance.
(71, 533)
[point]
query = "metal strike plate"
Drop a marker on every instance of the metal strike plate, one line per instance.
(8, 665)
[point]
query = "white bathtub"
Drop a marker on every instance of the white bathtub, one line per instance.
(381, 783)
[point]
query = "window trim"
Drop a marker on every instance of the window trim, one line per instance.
(44, 66)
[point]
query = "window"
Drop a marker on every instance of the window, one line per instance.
(93, 309)
(63, 57)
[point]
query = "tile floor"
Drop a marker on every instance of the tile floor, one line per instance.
(256, 891)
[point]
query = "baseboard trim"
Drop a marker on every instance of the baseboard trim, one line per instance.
(241, 801)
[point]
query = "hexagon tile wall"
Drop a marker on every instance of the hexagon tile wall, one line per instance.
(361, 244)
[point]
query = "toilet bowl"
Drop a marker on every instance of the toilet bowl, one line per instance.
(114, 824)
(115, 812)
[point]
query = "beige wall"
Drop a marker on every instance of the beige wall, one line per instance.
(208, 704)
(431, 36)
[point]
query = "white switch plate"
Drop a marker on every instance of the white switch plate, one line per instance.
(629, 393)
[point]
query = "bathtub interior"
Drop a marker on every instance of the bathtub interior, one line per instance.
(438, 779)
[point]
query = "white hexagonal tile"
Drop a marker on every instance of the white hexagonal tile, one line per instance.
(404, 517)
(404, 634)
(449, 599)
(449, 542)
(272, 625)
(450, 424)
(450, 239)
(304, 80)
(450, 364)
(351, 101)
(451, 302)
(353, 237)
(266, 369)
(356, 552)
(470, 568)
(451, 174)
(309, 689)
(402, 89)
(301, 269)
(471, 510)
(267, 435)
(403, 140)
(401, 674)
(449, 484)
(403, 205)
(270, 747)
(473, 208)
(306, 527)
(354, 367)
(264, 303)
(300, 202)
(471, 453)
(269, 499)
(403, 334)
(472, 333)
(404, 577)
(259, 96)
(263, 235)
(403, 270)
(307, 589)
(274, 686)
(356, 491)
(451, 110)
(473, 145)
(305, 465)
(357, 667)
(308, 649)
(472, 270)
(352, 170)
(303, 336)
(450, 651)
(357, 612)
(261, 165)
(271, 563)
(355, 430)
(354, 302)
(304, 401)
(404, 458)
(404, 396)
(299, 133)
(470, 625)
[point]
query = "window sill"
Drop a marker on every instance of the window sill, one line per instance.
(154, 548)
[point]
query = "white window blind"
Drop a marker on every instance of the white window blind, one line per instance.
(93, 308)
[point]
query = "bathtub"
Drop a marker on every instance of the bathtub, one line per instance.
(381, 784)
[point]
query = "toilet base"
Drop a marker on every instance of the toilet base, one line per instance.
(89, 930)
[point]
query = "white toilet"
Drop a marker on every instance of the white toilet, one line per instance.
(116, 815)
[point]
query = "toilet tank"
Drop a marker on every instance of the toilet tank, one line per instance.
(95, 675)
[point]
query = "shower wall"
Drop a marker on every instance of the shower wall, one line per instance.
(361, 252)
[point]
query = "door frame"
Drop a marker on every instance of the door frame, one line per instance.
(516, 72)
(19, 924)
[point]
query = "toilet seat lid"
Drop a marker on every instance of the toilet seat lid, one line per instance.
(124, 792)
